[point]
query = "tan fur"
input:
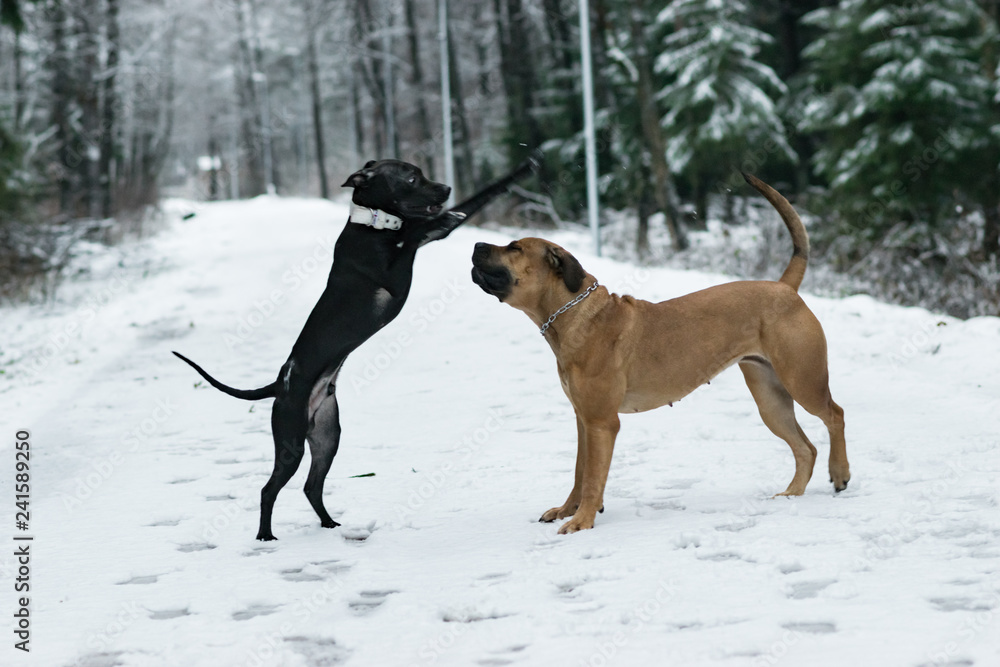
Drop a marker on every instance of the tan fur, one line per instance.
(617, 354)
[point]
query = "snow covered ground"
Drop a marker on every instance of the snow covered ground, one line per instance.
(145, 483)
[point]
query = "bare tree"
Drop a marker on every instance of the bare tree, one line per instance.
(109, 106)
(313, 19)
(424, 135)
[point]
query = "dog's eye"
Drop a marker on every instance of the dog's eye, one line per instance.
(411, 180)
(514, 247)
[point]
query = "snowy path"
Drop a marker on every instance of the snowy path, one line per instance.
(145, 489)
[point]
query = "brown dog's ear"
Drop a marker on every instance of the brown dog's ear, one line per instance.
(360, 178)
(567, 266)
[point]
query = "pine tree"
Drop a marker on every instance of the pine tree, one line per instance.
(720, 99)
(901, 105)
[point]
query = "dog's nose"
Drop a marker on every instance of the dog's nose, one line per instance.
(481, 251)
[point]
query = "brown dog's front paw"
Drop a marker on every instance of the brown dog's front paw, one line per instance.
(576, 524)
(558, 513)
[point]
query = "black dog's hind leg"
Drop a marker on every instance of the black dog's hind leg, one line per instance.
(289, 423)
(324, 440)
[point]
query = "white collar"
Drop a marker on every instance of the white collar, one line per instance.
(373, 217)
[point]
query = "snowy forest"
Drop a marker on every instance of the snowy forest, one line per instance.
(880, 120)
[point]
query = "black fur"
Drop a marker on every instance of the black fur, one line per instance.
(368, 285)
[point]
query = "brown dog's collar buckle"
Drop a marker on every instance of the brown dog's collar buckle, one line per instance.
(570, 304)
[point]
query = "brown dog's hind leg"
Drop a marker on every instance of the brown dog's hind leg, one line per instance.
(810, 388)
(778, 412)
(840, 469)
(573, 501)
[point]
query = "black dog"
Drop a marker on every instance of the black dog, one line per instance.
(395, 211)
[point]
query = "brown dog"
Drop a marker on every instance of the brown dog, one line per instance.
(617, 354)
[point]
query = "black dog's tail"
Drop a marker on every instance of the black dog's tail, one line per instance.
(270, 391)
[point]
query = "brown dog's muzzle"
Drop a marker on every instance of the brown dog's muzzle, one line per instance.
(489, 273)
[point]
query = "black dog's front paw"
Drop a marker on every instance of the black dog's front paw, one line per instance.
(329, 524)
(266, 537)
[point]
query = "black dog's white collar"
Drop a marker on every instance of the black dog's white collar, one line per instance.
(374, 217)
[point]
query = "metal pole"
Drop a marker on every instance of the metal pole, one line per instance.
(588, 125)
(449, 149)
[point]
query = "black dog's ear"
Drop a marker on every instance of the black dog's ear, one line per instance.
(359, 178)
(568, 267)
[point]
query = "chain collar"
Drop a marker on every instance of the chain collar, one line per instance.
(570, 304)
(373, 217)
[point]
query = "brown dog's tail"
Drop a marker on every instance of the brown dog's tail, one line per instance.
(796, 269)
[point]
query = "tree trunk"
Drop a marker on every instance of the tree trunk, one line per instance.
(317, 110)
(161, 143)
(465, 169)
(359, 129)
(391, 134)
(425, 149)
(270, 170)
(18, 83)
(604, 93)
(560, 40)
(213, 173)
(559, 34)
(109, 125)
(991, 208)
(516, 70)
(252, 139)
(372, 77)
(700, 196)
(790, 42)
(59, 116)
(664, 191)
(643, 212)
(991, 230)
(87, 96)
(151, 131)
(603, 90)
